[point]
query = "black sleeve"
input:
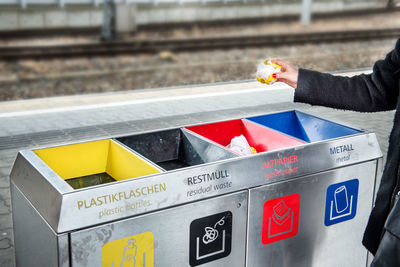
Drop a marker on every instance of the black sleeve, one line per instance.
(375, 92)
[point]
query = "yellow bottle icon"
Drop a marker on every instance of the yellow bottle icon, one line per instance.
(129, 254)
(134, 251)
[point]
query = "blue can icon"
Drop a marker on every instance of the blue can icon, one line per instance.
(341, 199)
(341, 202)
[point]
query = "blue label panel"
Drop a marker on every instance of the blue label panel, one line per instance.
(341, 202)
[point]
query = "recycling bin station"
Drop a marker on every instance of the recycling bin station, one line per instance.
(181, 197)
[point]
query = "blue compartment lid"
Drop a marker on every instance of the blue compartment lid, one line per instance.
(303, 126)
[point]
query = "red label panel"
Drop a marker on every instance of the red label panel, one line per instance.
(280, 218)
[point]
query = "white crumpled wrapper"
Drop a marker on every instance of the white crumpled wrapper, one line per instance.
(265, 70)
(240, 145)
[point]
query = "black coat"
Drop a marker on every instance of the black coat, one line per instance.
(378, 91)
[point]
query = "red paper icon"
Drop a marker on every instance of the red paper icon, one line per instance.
(280, 218)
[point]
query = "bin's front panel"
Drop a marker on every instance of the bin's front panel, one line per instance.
(207, 233)
(316, 220)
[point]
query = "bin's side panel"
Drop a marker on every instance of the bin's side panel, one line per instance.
(315, 220)
(40, 185)
(378, 177)
(36, 244)
(197, 150)
(207, 233)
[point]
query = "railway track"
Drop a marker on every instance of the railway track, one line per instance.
(189, 44)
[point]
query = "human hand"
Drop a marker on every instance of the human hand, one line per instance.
(289, 74)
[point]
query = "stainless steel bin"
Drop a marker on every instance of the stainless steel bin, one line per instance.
(180, 197)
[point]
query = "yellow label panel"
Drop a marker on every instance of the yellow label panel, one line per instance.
(133, 251)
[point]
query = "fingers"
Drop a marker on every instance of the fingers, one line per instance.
(278, 61)
(284, 79)
(281, 63)
(282, 76)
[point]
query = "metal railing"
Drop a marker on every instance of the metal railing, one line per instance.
(63, 3)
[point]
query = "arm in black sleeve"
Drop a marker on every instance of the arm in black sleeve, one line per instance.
(375, 92)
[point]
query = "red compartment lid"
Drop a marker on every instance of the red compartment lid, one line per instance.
(261, 138)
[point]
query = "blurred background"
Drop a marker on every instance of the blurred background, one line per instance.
(67, 47)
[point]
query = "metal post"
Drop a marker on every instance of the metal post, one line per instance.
(125, 17)
(391, 4)
(108, 29)
(306, 12)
